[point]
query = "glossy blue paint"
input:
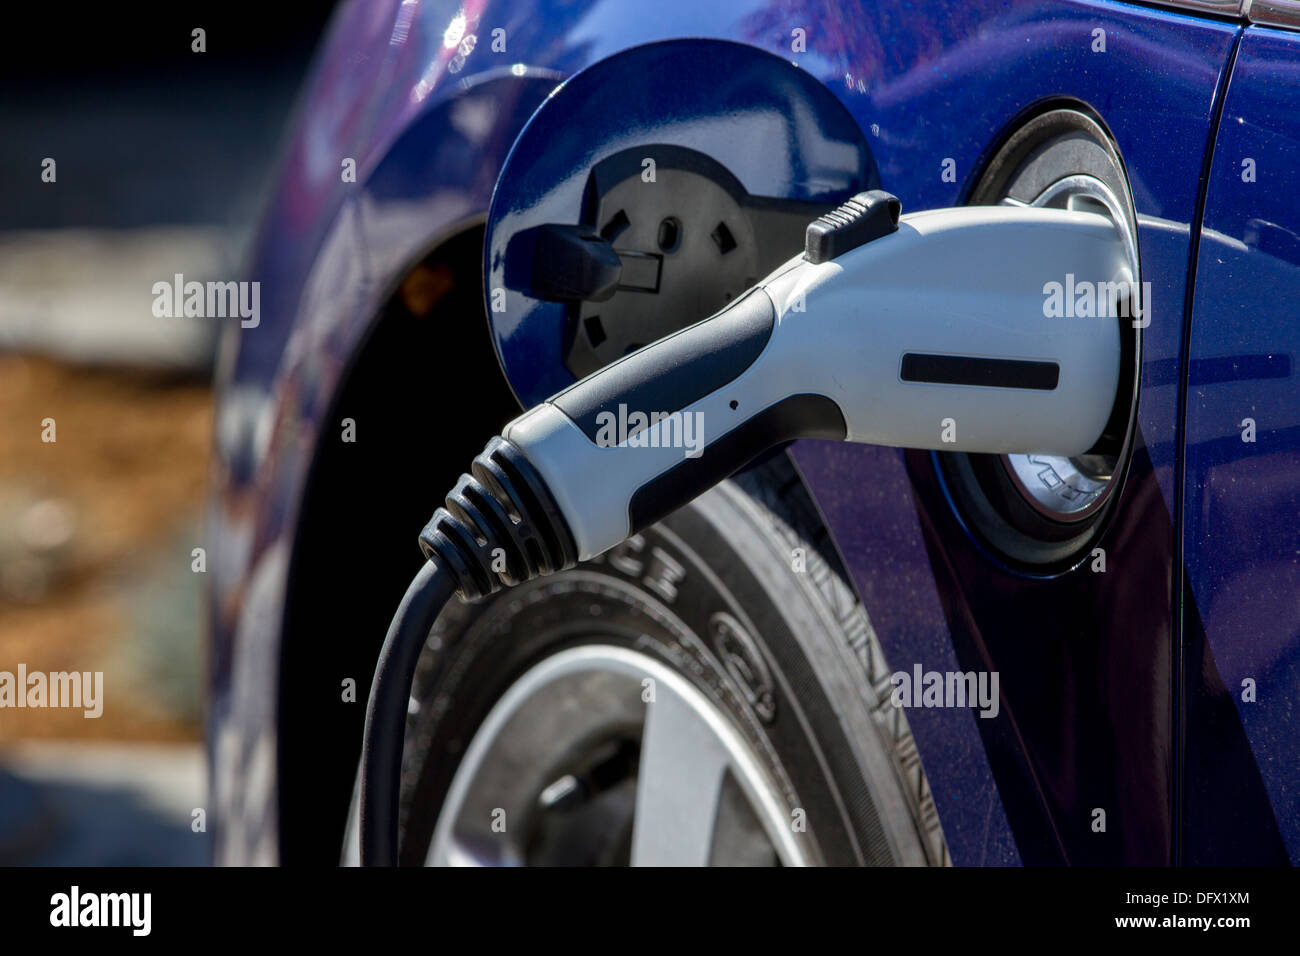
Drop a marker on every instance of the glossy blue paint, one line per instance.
(416, 94)
(1242, 514)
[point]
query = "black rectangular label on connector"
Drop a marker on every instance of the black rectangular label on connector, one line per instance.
(974, 370)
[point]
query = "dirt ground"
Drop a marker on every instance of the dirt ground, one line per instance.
(96, 532)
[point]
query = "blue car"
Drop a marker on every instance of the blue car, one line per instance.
(846, 653)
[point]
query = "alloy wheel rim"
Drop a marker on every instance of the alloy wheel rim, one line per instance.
(697, 793)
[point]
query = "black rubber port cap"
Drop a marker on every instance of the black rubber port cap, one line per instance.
(866, 216)
(563, 263)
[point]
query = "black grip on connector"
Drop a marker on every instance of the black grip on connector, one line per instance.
(798, 416)
(865, 217)
(499, 526)
(676, 371)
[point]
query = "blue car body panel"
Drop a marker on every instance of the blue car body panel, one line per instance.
(1242, 513)
(1099, 677)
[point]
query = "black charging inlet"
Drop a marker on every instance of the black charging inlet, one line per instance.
(644, 262)
(1044, 512)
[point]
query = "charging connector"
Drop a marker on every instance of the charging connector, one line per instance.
(929, 331)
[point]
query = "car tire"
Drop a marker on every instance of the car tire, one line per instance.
(740, 595)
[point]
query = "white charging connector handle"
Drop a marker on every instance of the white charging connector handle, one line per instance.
(936, 334)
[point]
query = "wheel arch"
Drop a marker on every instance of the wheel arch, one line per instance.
(418, 214)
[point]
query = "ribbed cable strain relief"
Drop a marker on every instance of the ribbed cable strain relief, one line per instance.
(499, 526)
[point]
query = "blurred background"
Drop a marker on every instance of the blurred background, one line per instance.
(163, 160)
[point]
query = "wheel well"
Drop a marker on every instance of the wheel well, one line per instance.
(425, 391)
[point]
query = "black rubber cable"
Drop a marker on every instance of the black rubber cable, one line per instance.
(502, 511)
(381, 758)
